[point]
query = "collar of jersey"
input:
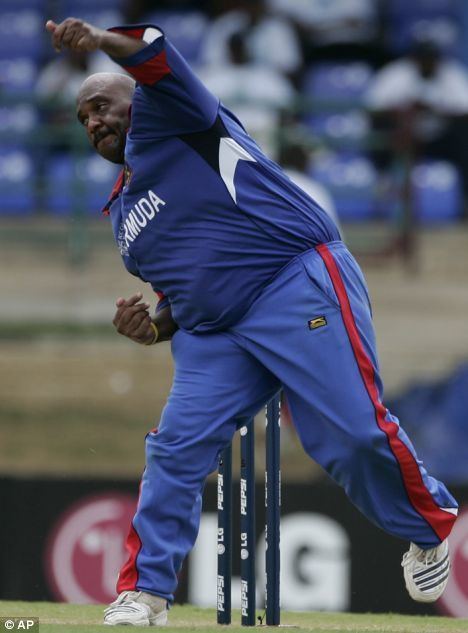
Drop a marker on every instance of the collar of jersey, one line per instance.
(115, 193)
(119, 183)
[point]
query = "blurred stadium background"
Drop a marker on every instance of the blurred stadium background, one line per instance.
(365, 103)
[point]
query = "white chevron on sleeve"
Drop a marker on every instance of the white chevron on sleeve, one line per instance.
(151, 34)
(230, 153)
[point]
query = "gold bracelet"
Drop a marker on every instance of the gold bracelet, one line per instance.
(155, 334)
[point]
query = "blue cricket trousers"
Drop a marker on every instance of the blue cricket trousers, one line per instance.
(310, 332)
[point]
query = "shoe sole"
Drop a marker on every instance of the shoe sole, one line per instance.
(157, 620)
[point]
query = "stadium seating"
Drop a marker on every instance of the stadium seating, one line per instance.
(18, 120)
(340, 82)
(185, 29)
(340, 127)
(442, 30)
(17, 186)
(82, 185)
(437, 193)
(351, 179)
(21, 33)
(437, 19)
(337, 86)
(18, 75)
(340, 88)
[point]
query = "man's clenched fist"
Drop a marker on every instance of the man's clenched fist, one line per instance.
(132, 319)
(75, 34)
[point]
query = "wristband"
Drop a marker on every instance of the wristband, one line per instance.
(155, 334)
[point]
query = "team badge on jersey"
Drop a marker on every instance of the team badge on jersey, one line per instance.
(317, 322)
(128, 173)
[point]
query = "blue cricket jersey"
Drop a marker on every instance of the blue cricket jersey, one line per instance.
(202, 214)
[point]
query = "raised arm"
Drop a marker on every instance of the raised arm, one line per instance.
(77, 35)
(170, 99)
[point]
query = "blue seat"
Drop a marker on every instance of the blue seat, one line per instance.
(19, 119)
(82, 185)
(441, 29)
(351, 125)
(436, 193)
(351, 179)
(185, 30)
(438, 19)
(338, 85)
(17, 184)
(341, 82)
(22, 33)
(18, 75)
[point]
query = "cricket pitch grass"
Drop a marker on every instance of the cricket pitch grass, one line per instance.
(69, 618)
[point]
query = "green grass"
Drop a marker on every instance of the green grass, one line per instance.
(67, 618)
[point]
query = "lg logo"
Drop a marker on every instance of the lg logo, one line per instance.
(315, 564)
(86, 548)
(86, 551)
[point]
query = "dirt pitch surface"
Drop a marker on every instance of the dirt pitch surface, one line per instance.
(68, 618)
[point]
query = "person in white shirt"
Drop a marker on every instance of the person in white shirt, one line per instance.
(263, 33)
(257, 93)
(426, 79)
(336, 29)
(422, 101)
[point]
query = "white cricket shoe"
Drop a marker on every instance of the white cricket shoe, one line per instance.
(426, 571)
(137, 608)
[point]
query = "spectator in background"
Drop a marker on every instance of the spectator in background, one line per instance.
(335, 29)
(62, 77)
(59, 81)
(422, 101)
(255, 92)
(295, 161)
(270, 40)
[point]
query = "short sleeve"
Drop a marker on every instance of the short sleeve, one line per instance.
(169, 96)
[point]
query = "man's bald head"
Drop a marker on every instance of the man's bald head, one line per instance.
(103, 105)
(107, 82)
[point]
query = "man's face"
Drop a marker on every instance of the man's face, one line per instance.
(105, 115)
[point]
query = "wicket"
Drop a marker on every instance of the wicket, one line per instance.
(247, 523)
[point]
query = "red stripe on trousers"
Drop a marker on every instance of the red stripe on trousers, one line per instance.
(128, 576)
(422, 501)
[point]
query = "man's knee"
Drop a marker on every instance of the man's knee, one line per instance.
(363, 444)
(182, 455)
